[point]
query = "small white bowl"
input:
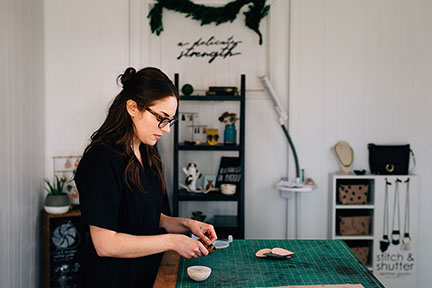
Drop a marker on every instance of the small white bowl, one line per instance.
(228, 189)
(198, 273)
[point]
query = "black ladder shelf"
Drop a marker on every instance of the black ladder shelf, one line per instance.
(224, 224)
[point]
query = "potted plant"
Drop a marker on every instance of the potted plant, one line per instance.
(199, 216)
(230, 133)
(56, 202)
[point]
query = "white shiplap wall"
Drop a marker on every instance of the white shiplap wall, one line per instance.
(360, 72)
(86, 49)
(352, 64)
(89, 44)
(265, 145)
(22, 140)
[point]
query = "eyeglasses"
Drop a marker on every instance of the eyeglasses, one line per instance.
(163, 121)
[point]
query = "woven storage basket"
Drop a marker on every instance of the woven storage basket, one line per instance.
(362, 253)
(354, 225)
(353, 194)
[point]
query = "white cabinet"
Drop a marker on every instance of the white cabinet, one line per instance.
(394, 266)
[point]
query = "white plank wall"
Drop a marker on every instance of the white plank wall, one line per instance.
(22, 141)
(86, 49)
(360, 72)
(266, 148)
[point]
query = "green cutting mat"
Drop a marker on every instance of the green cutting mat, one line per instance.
(315, 262)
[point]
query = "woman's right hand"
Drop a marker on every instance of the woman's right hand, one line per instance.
(188, 247)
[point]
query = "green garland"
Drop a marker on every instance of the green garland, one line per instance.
(207, 14)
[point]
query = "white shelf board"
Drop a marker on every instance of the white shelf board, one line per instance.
(355, 207)
(367, 176)
(357, 237)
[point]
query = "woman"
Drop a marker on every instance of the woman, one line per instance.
(123, 193)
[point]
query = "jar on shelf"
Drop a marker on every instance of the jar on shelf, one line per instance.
(230, 134)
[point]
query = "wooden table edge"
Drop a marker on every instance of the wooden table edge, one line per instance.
(168, 270)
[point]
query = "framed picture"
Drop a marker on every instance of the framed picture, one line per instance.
(209, 182)
(229, 171)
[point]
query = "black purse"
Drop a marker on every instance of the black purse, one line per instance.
(389, 159)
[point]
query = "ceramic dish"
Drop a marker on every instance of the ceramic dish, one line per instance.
(198, 273)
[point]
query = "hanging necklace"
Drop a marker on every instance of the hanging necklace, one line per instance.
(339, 158)
(406, 240)
(396, 211)
(384, 242)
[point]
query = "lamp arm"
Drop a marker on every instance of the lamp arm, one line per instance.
(283, 117)
(293, 151)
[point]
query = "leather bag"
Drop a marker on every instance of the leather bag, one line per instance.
(389, 159)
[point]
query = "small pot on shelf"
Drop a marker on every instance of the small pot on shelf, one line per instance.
(56, 201)
(57, 204)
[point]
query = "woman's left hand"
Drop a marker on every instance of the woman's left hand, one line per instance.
(202, 230)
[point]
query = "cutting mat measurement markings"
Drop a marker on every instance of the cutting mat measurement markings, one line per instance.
(315, 262)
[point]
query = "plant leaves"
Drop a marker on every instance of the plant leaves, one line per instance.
(209, 14)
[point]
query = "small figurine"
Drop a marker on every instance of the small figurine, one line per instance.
(192, 175)
(209, 184)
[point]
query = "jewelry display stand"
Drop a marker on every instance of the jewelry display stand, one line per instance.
(391, 241)
(64, 168)
(344, 155)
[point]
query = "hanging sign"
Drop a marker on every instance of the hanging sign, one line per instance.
(395, 257)
(229, 171)
(211, 48)
(64, 245)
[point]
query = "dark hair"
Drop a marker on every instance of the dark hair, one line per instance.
(144, 87)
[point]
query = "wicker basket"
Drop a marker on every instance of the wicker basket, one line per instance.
(362, 253)
(353, 194)
(354, 225)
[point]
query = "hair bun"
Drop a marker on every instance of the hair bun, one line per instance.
(127, 75)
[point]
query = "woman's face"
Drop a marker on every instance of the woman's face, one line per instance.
(146, 124)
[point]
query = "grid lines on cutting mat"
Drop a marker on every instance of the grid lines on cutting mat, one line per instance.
(314, 262)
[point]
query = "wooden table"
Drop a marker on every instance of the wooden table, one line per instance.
(316, 262)
(168, 270)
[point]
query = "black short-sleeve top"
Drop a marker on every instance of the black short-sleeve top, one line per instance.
(107, 202)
